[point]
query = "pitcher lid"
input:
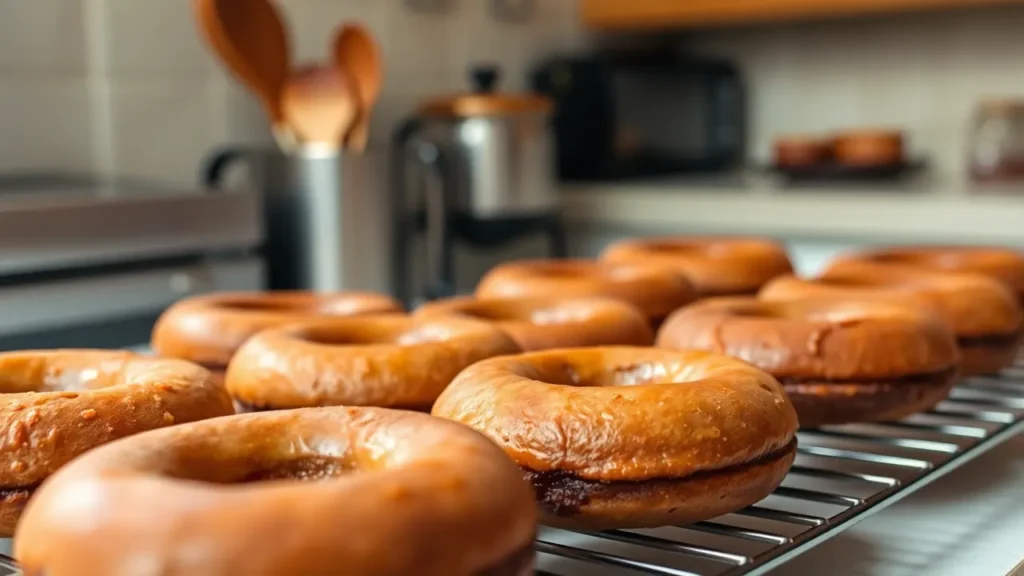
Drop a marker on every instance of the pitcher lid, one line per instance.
(484, 100)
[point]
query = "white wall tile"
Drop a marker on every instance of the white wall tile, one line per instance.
(45, 124)
(153, 37)
(312, 24)
(42, 37)
(416, 41)
(163, 128)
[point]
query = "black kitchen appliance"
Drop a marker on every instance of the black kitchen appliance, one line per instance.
(640, 114)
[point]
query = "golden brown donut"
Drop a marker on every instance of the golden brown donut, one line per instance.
(209, 329)
(57, 404)
(839, 360)
(315, 492)
(1003, 264)
(541, 323)
(386, 361)
(656, 290)
(717, 266)
(622, 437)
(984, 315)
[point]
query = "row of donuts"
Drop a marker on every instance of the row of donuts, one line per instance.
(681, 462)
(878, 336)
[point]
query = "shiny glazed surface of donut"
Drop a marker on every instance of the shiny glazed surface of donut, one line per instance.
(57, 404)
(973, 305)
(387, 493)
(622, 413)
(828, 338)
(541, 323)
(716, 266)
(1001, 264)
(654, 289)
(209, 329)
(388, 361)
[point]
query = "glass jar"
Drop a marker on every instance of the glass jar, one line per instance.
(996, 142)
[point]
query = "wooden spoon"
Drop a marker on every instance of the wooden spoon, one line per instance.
(250, 39)
(320, 105)
(356, 52)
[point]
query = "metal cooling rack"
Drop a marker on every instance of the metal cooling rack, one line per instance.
(841, 476)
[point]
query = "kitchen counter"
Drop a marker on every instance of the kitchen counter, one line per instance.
(743, 205)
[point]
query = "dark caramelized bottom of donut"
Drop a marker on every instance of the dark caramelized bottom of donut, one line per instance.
(928, 378)
(994, 340)
(821, 402)
(563, 493)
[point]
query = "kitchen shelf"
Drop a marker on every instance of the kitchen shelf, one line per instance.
(890, 214)
(662, 14)
(841, 476)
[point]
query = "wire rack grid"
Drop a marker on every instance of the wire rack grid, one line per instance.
(841, 476)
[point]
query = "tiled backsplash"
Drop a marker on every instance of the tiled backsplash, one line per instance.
(921, 72)
(126, 86)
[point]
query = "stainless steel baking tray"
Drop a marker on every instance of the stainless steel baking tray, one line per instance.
(841, 476)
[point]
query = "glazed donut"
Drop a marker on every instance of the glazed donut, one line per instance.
(315, 492)
(656, 290)
(385, 361)
(209, 329)
(542, 323)
(1003, 264)
(715, 266)
(839, 361)
(58, 404)
(983, 314)
(624, 437)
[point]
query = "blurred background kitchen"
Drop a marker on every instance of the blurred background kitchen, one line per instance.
(137, 167)
(654, 117)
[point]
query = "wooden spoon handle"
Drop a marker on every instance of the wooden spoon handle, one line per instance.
(359, 135)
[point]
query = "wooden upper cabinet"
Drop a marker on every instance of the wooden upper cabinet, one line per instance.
(639, 14)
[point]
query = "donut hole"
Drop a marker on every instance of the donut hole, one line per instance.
(67, 380)
(267, 305)
(624, 375)
(489, 313)
(930, 259)
(759, 310)
(848, 282)
(673, 248)
(368, 334)
(546, 315)
(565, 270)
(301, 469)
(245, 471)
(342, 337)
